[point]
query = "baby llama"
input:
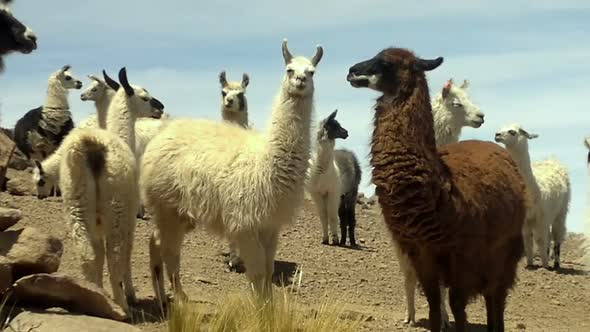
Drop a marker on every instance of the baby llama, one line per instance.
(235, 182)
(323, 177)
(458, 211)
(452, 109)
(548, 184)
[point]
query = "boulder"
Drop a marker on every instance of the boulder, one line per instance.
(64, 322)
(9, 217)
(19, 185)
(58, 290)
(30, 251)
(5, 274)
(18, 161)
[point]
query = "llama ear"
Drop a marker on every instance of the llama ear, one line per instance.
(65, 68)
(319, 53)
(38, 164)
(465, 84)
(94, 78)
(427, 65)
(245, 80)
(125, 83)
(587, 142)
(110, 82)
(527, 135)
(333, 115)
(287, 56)
(447, 88)
(222, 79)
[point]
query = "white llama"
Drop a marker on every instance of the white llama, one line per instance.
(233, 181)
(323, 177)
(548, 184)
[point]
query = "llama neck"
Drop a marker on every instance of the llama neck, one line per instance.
(521, 156)
(240, 118)
(121, 119)
(446, 129)
(102, 106)
(289, 141)
(323, 157)
(407, 170)
(57, 95)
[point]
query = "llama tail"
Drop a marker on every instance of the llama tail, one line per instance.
(87, 151)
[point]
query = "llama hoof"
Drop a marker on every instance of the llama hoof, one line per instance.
(325, 242)
(235, 264)
(445, 325)
(556, 266)
(410, 322)
(529, 267)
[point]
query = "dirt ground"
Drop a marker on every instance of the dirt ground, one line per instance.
(368, 279)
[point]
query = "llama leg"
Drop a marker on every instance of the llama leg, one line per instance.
(234, 261)
(116, 253)
(489, 312)
(444, 294)
(333, 203)
(252, 250)
(558, 232)
(171, 239)
(270, 240)
(410, 282)
(320, 204)
(499, 306)
(87, 237)
(128, 251)
(343, 223)
(528, 245)
(458, 303)
(352, 224)
(432, 292)
(541, 239)
(157, 268)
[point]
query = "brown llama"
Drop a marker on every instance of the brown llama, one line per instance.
(458, 211)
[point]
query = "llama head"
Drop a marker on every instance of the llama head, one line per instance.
(392, 71)
(298, 81)
(14, 35)
(139, 100)
(96, 90)
(513, 135)
(41, 181)
(66, 79)
(330, 129)
(233, 94)
(459, 107)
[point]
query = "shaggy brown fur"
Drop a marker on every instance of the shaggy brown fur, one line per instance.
(457, 212)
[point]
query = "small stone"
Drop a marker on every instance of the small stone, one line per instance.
(9, 217)
(520, 326)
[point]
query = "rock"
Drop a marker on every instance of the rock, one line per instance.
(30, 251)
(9, 217)
(51, 322)
(20, 186)
(58, 290)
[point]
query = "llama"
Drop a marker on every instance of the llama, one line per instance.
(40, 131)
(234, 109)
(549, 186)
(101, 94)
(233, 181)
(323, 176)
(458, 211)
(14, 35)
(98, 178)
(234, 106)
(452, 109)
(350, 178)
(103, 203)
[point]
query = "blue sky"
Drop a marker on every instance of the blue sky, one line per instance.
(528, 61)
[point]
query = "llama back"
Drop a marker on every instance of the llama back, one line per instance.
(350, 170)
(553, 179)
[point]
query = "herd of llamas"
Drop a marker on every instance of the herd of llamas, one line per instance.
(462, 213)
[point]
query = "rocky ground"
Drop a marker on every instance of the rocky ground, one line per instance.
(367, 279)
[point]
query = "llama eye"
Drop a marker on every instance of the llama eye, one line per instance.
(240, 95)
(290, 71)
(223, 94)
(457, 104)
(146, 99)
(512, 132)
(94, 90)
(41, 183)
(68, 78)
